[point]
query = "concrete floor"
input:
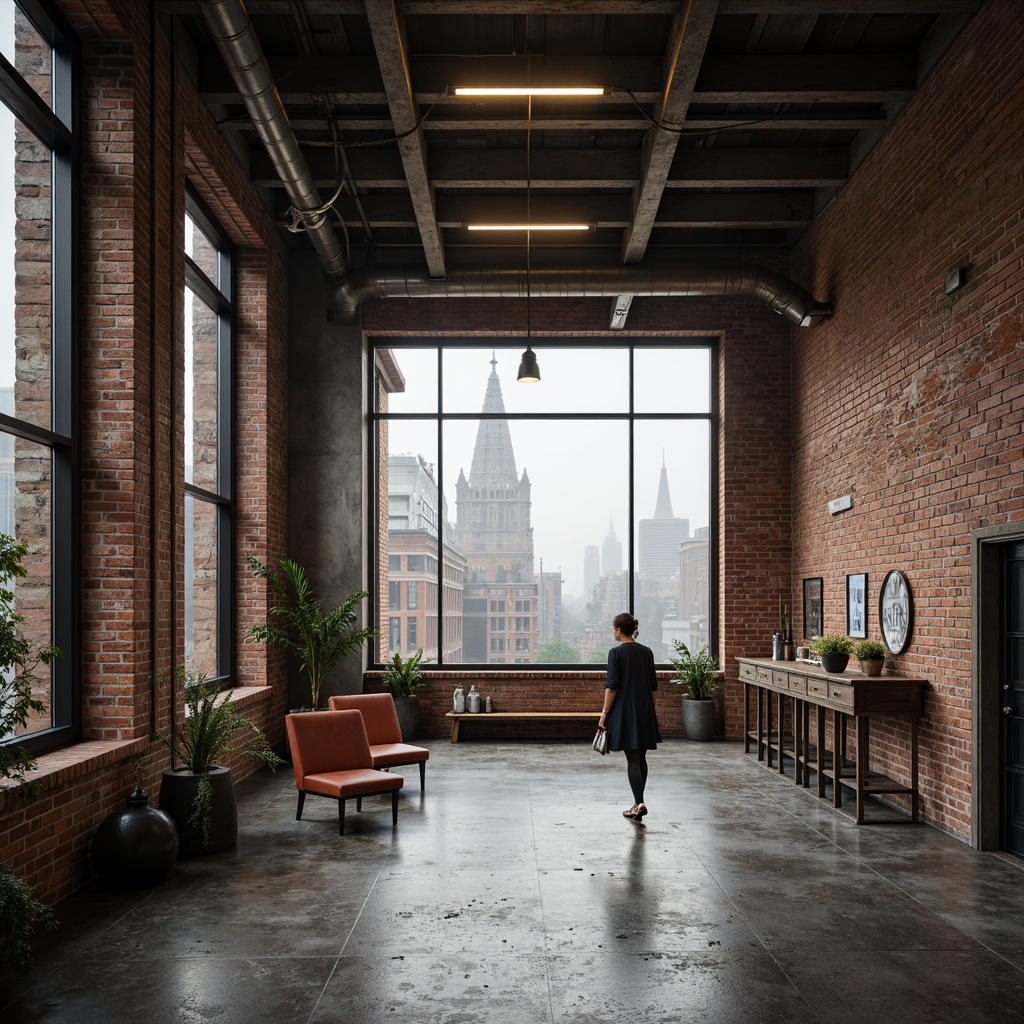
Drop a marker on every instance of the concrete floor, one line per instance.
(514, 891)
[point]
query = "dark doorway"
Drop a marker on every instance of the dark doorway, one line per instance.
(1011, 697)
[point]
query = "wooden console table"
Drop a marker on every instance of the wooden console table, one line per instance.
(849, 696)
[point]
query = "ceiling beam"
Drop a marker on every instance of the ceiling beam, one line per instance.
(257, 8)
(854, 78)
(687, 43)
(389, 44)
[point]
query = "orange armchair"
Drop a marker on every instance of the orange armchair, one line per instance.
(383, 731)
(331, 757)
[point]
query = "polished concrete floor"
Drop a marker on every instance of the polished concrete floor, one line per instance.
(514, 891)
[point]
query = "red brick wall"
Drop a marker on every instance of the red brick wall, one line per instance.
(144, 133)
(911, 400)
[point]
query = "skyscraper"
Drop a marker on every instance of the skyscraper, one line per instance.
(611, 552)
(591, 570)
(661, 536)
(493, 531)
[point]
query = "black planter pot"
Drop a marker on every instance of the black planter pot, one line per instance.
(835, 662)
(136, 846)
(177, 797)
(698, 718)
(408, 711)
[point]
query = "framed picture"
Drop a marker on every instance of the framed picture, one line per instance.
(857, 605)
(812, 607)
(895, 611)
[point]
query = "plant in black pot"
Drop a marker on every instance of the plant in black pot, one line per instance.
(698, 673)
(20, 912)
(199, 795)
(834, 649)
(403, 677)
(317, 638)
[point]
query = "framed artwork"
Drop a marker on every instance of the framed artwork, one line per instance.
(812, 607)
(857, 605)
(895, 611)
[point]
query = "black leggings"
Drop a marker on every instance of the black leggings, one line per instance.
(636, 771)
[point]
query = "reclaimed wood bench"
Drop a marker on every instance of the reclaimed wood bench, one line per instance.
(458, 717)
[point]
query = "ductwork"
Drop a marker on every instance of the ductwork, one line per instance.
(744, 280)
(232, 29)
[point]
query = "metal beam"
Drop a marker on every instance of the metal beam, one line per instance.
(389, 44)
(561, 7)
(689, 39)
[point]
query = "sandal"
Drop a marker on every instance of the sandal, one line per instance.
(631, 813)
(640, 810)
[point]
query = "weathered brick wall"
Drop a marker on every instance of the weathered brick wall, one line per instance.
(145, 133)
(911, 400)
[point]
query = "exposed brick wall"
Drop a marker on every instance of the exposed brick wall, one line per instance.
(911, 400)
(144, 132)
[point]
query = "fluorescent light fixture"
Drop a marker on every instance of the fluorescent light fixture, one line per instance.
(527, 227)
(527, 90)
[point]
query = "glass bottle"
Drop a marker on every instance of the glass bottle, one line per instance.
(459, 700)
(473, 700)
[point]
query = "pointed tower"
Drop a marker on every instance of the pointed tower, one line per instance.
(660, 538)
(611, 552)
(663, 506)
(493, 531)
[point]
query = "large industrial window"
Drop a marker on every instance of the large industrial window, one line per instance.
(37, 346)
(208, 389)
(524, 517)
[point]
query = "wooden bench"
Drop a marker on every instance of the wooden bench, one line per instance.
(458, 717)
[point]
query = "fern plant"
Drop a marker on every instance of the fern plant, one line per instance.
(402, 675)
(317, 638)
(211, 732)
(695, 671)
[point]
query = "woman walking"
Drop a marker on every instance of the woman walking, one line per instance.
(628, 713)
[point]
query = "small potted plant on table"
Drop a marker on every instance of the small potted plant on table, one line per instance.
(697, 672)
(834, 649)
(871, 654)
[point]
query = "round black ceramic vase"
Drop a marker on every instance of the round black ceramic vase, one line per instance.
(177, 797)
(136, 846)
(835, 662)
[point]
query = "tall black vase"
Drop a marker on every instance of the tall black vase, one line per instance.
(136, 846)
(177, 797)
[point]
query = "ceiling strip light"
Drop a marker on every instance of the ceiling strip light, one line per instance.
(527, 227)
(529, 90)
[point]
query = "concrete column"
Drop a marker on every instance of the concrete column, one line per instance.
(327, 458)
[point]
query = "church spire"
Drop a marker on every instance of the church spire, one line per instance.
(494, 462)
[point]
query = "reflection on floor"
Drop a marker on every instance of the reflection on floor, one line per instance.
(514, 891)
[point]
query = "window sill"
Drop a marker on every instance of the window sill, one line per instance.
(60, 767)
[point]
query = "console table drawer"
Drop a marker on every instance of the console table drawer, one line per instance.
(797, 684)
(841, 695)
(764, 675)
(748, 671)
(780, 680)
(818, 688)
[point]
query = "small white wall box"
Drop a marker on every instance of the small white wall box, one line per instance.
(955, 280)
(837, 505)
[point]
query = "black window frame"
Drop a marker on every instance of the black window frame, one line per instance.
(711, 343)
(221, 298)
(58, 128)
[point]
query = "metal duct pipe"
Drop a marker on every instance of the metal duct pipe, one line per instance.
(745, 280)
(236, 39)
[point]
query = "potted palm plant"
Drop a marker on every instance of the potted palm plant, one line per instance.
(199, 795)
(403, 677)
(698, 674)
(20, 912)
(871, 654)
(317, 638)
(834, 649)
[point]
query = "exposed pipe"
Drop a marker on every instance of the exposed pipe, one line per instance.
(232, 29)
(745, 280)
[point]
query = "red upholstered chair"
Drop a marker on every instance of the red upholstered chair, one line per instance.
(331, 757)
(383, 731)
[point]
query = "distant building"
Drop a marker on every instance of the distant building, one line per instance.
(591, 570)
(549, 605)
(611, 552)
(660, 537)
(494, 532)
(414, 519)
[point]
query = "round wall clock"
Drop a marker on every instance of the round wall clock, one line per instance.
(895, 611)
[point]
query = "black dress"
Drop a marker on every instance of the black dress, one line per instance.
(631, 722)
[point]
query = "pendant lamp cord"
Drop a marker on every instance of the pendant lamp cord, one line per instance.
(529, 125)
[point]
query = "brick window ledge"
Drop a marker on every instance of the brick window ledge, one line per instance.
(59, 767)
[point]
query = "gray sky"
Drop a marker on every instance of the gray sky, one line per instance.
(578, 469)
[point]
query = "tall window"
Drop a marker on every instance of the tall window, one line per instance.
(565, 502)
(36, 344)
(208, 474)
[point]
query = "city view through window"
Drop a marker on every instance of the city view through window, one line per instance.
(516, 520)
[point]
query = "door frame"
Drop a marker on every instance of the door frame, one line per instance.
(987, 549)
